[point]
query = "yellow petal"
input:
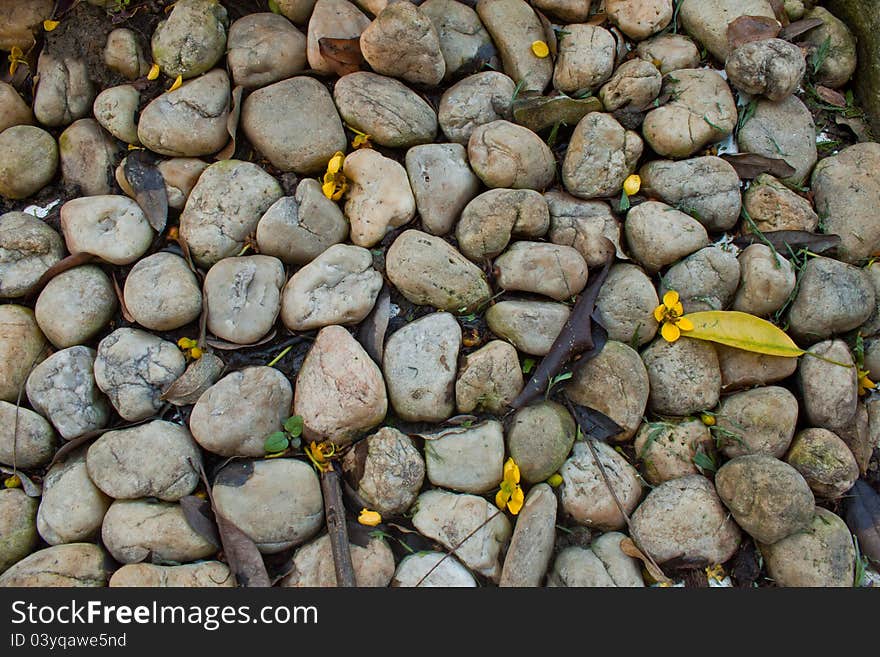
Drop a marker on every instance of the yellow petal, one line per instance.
(195, 353)
(670, 332)
(501, 498)
(335, 163)
(659, 313)
(516, 500)
(632, 185)
(670, 299)
(369, 518)
(186, 343)
(329, 188)
(685, 324)
(540, 49)
(154, 72)
(511, 471)
(678, 309)
(50, 25)
(177, 83)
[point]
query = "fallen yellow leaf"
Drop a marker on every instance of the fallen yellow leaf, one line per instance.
(50, 25)
(154, 72)
(177, 83)
(742, 331)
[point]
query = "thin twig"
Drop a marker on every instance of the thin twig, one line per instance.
(334, 511)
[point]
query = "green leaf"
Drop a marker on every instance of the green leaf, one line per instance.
(704, 462)
(276, 442)
(624, 202)
(273, 7)
(528, 365)
(742, 331)
(294, 426)
(820, 55)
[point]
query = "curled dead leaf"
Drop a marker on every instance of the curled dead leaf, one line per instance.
(629, 548)
(148, 185)
(831, 96)
(749, 166)
(751, 28)
(343, 56)
(200, 375)
(797, 28)
(232, 124)
(27, 485)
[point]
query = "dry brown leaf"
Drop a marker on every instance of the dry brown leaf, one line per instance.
(797, 28)
(831, 96)
(148, 186)
(122, 307)
(751, 28)
(27, 485)
(628, 547)
(779, 9)
(860, 127)
(343, 56)
(232, 124)
(749, 166)
(200, 375)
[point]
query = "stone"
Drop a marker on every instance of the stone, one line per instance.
(335, 19)
(514, 26)
(234, 416)
(340, 392)
(133, 368)
(28, 160)
(540, 437)
(403, 43)
(615, 383)
(13, 110)
(773, 206)
(467, 460)
(531, 546)
(464, 42)
(530, 326)
(205, 574)
(180, 175)
(161, 292)
(626, 304)
(782, 130)
(706, 280)
(373, 564)
(701, 111)
(504, 154)
(684, 518)
(156, 459)
(684, 376)
(379, 196)
(558, 272)
(489, 221)
(88, 155)
(625, 571)
(846, 186)
(767, 280)
(72, 508)
(62, 389)
(340, 286)
(74, 564)
(858, 437)
(833, 297)
(872, 324)
(474, 101)
(419, 364)
(297, 229)
(635, 84)
(124, 55)
(638, 19)
(64, 91)
(586, 58)
(772, 68)
(264, 48)
(432, 569)
(757, 421)
(825, 462)
(601, 155)
(768, 498)
(224, 208)
(75, 305)
(26, 438)
(21, 21)
(659, 235)
(840, 59)
(829, 391)
(489, 379)
(22, 346)
(114, 228)
(386, 470)
(707, 20)
(569, 11)
(667, 448)
(428, 271)
(192, 39)
(585, 496)
(18, 527)
(277, 503)
(451, 518)
(189, 121)
(29, 248)
(243, 296)
(585, 225)
(744, 369)
(578, 567)
(294, 124)
(670, 52)
(116, 109)
(441, 181)
(705, 187)
(298, 11)
(134, 530)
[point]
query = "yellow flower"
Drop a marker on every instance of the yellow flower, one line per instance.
(555, 480)
(334, 180)
(540, 49)
(632, 185)
(510, 494)
(195, 353)
(716, 572)
(865, 384)
(154, 72)
(15, 57)
(177, 83)
(186, 343)
(361, 139)
(708, 419)
(12, 482)
(190, 348)
(369, 518)
(320, 454)
(669, 314)
(50, 25)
